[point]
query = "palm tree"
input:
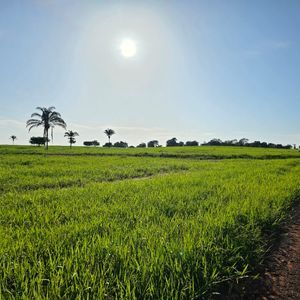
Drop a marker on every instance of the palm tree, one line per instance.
(47, 118)
(71, 136)
(109, 132)
(13, 138)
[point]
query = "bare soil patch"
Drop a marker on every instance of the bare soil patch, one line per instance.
(281, 276)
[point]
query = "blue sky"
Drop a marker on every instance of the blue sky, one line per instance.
(203, 69)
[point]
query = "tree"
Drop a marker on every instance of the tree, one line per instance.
(255, 144)
(243, 141)
(173, 142)
(109, 132)
(47, 118)
(38, 140)
(107, 145)
(71, 136)
(271, 145)
(96, 143)
(13, 138)
(213, 142)
(91, 143)
(121, 144)
(230, 143)
(191, 143)
(152, 144)
(141, 145)
(264, 145)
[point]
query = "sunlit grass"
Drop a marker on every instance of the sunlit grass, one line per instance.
(202, 152)
(176, 234)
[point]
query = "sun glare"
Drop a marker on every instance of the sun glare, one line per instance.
(128, 48)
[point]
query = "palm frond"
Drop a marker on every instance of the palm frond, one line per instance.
(55, 118)
(33, 122)
(55, 114)
(109, 132)
(47, 118)
(71, 133)
(41, 108)
(32, 126)
(60, 123)
(36, 115)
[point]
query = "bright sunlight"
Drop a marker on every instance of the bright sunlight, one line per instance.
(128, 48)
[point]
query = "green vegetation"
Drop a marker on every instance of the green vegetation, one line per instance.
(71, 137)
(46, 118)
(13, 138)
(110, 225)
(109, 132)
(202, 152)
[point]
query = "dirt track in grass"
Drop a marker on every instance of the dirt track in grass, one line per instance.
(281, 277)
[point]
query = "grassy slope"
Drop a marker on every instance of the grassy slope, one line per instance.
(174, 235)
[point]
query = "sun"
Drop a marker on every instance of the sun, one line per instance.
(128, 48)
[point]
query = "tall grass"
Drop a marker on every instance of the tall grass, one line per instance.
(180, 235)
(29, 172)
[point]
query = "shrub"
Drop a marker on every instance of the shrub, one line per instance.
(121, 144)
(38, 140)
(142, 145)
(91, 143)
(191, 143)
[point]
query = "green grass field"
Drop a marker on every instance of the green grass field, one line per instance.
(203, 152)
(176, 223)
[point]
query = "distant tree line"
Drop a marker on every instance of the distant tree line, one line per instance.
(117, 145)
(173, 143)
(245, 143)
(48, 119)
(170, 143)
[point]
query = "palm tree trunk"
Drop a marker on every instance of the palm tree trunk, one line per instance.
(109, 141)
(47, 139)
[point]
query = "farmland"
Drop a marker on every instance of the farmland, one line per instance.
(206, 152)
(161, 223)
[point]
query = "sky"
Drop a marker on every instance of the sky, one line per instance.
(202, 69)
